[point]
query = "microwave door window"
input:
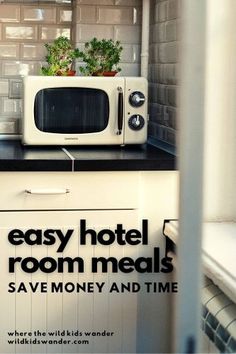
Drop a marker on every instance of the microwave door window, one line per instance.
(71, 110)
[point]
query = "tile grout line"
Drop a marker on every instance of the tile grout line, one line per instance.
(71, 157)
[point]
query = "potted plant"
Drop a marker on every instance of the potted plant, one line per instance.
(60, 57)
(101, 57)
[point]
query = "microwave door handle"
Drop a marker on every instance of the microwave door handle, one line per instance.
(120, 110)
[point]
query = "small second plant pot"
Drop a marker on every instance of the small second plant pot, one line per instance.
(71, 73)
(105, 73)
(109, 73)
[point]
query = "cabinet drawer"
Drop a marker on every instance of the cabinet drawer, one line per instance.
(68, 190)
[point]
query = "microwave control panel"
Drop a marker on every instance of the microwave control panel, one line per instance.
(136, 99)
(136, 117)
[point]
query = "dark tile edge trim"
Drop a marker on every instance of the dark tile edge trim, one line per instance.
(217, 333)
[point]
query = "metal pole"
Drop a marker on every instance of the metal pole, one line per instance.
(145, 38)
(191, 120)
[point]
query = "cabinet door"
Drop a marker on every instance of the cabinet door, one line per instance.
(37, 320)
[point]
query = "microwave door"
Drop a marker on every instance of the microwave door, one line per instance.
(71, 110)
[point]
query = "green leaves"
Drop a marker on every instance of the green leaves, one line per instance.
(100, 55)
(60, 56)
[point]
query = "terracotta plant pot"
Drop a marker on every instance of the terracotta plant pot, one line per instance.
(109, 73)
(71, 73)
(105, 73)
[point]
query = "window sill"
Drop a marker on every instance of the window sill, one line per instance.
(218, 251)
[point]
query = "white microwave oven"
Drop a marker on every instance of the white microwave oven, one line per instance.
(84, 110)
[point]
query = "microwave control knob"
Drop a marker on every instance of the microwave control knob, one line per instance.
(136, 122)
(136, 99)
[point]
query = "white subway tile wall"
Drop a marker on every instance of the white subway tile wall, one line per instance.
(86, 32)
(14, 32)
(42, 14)
(86, 14)
(49, 33)
(32, 51)
(128, 2)
(163, 70)
(121, 15)
(94, 2)
(65, 16)
(26, 26)
(19, 68)
(10, 107)
(115, 19)
(9, 50)
(15, 88)
(24, 29)
(130, 53)
(4, 87)
(8, 126)
(127, 34)
(10, 13)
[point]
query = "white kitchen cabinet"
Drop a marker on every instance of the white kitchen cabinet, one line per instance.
(139, 321)
(86, 190)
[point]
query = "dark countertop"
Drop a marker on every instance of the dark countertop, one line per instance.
(15, 157)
